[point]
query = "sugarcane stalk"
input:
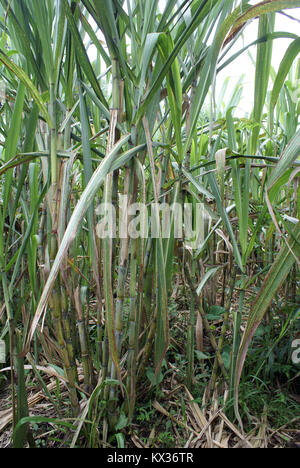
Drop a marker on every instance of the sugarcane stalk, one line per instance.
(146, 351)
(237, 334)
(140, 316)
(114, 312)
(23, 433)
(57, 303)
(223, 330)
(132, 331)
(83, 339)
(190, 344)
(108, 281)
(66, 323)
(149, 279)
(205, 322)
(123, 260)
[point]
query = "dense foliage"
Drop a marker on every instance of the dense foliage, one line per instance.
(110, 100)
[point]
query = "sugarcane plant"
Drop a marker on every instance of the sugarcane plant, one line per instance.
(104, 113)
